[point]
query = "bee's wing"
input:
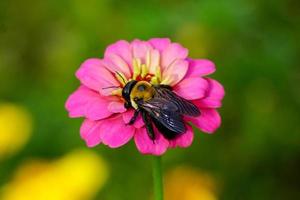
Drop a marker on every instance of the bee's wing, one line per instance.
(164, 112)
(184, 106)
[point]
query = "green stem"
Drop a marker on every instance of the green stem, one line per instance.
(157, 178)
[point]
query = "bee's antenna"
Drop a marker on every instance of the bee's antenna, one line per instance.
(121, 77)
(110, 87)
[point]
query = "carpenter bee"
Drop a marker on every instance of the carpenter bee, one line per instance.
(159, 106)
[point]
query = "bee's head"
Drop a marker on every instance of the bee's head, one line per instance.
(126, 92)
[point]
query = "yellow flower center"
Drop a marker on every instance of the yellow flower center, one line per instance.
(140, 73)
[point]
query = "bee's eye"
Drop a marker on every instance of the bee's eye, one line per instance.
(141, 88)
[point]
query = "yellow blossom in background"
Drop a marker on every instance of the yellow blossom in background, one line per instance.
(77, 176)
(15, 128)
(185, 183)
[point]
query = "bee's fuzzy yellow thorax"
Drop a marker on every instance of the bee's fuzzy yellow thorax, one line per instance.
(142, 90)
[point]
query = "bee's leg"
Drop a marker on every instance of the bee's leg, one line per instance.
(127, 105)
(134, 117)
(148, 122)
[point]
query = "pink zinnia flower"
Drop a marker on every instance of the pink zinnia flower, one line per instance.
(158, 61)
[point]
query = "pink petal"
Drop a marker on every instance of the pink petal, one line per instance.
(115, 63)
(175, 72)
(88, 103)
(146, 146)
(116, 107)
(184, 140)
(173, 52)
(214, 95)
(94, 75)
(160, 43)
(128, 115)
(90, 132)
(115, 133)
(200, 67)
(208, 121)
(121, 48)
(192, 88)
(140, 49)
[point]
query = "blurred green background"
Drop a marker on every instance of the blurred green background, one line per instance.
(255, 45)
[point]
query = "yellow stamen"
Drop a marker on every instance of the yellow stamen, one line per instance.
(148, 59)
(154, 80)
(136, 68)
(166, 81)
(158, 73)
(117, 92)
(144, 70)
(121, 78)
